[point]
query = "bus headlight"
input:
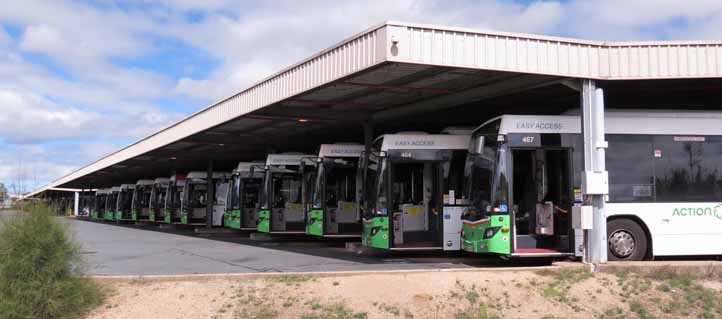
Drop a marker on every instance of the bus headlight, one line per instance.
(490, 232)
(374, 230)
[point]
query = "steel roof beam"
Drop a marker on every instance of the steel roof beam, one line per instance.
(471, 95)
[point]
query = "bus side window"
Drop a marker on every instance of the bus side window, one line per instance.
(629, 162)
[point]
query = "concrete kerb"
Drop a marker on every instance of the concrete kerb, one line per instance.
(611, 266)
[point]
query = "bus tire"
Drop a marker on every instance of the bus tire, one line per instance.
(626, 240)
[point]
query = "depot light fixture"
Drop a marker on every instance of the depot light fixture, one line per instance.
(302, 120)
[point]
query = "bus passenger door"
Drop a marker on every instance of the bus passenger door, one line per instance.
(542, 196)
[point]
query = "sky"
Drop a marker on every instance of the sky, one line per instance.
(80, 79)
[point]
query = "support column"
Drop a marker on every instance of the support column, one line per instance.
(76, 200)
(594, 178)
(210, 195)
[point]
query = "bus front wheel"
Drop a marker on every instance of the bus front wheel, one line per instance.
(626, 240)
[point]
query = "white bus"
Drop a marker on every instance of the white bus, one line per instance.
(411, 183)
(245, 185)
(523, 177)
(280, 204)
(330, 198)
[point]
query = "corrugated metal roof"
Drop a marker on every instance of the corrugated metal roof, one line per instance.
(418, 46)
(525, 53)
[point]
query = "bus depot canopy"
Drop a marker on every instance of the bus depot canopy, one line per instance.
(401, 76)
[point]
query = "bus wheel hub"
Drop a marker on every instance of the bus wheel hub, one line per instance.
(621, 243)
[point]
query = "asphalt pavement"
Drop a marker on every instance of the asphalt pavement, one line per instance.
(113, 249)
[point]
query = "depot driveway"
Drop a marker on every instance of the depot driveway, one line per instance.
(145, 250)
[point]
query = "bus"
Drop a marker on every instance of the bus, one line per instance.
(140, 206)
(280, 207)
(245, 186)
(194, 202)
(98, 211)
(124, 203)
(157, 199)
(111, 203)
(411, 183)
(523, 179)
(330, 199)
(86, 201)
(173, 198)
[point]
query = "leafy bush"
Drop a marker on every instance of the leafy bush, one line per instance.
(41, 269)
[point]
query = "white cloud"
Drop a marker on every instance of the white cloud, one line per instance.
(5, 38)
(645, 19)
(44, 39)
(29, 118)
(24, 114)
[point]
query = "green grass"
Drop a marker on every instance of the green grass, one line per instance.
(687, 297)
(337, 310)
(640, 310)
(41, 269)
(291, 279)
(562, 281)
(480, 311)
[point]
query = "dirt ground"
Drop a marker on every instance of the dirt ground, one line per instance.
(561, 292)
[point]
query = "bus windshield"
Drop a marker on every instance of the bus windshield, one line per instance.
(485, 178)
(335, 182)
(234, 193)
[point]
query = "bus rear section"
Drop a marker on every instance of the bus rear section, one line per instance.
(411, 186)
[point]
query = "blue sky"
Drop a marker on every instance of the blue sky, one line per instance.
(80, 79)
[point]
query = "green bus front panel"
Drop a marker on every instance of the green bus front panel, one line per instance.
(232, 219)
(498, 241)
(118, 215)
(376, 233)
(184, 218)
(151, 217)
(109, 216)
(166, 217)
(314, 226)
(134, 215)
(94, 215)
(264, 221)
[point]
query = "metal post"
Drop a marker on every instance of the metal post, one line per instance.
(75, 207)
(595, 178)
(210, 195)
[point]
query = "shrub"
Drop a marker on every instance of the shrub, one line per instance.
(41, 269)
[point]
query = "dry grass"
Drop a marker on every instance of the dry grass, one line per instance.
(661, 292)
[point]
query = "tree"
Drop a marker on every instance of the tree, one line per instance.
(3, 193)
